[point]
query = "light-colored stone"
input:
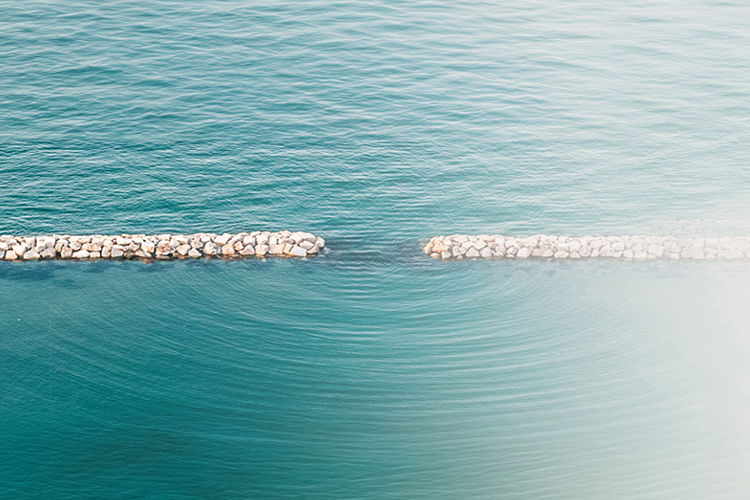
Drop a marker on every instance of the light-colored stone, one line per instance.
(31, 255)
(211, 248)
(523, 253)
(656, 250)
(472, 253)
(223, 239)
(276, 249)
(297, 251)
(48, 253)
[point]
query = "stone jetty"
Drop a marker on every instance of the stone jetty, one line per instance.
(546, 247)
(162, 247)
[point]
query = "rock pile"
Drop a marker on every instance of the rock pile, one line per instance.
(542, 246)
(162, 247)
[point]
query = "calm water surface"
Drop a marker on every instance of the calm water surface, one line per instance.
(373, 371)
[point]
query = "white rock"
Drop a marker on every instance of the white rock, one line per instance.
(48, 253)
(561, 254)
(211, 248)
(486, 253)
(81, 254)
(276, 249)
(523, 253)
(223, 239)
(655, 250)
(31, 255)
(10, 255)
(297, 251)
(183, 249)
(472, 253)
(306, 244)
(640, 255)
(194, 253)
(148, 246)
(261, 250)
(628, 254)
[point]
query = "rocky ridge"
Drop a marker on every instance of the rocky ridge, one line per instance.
(162, 247)
(542, 246)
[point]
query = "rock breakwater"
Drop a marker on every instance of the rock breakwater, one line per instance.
(162, 247)
(542, 246)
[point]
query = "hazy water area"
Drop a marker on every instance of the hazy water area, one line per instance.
(373, 371)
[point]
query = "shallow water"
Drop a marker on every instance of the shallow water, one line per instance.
(373, 371)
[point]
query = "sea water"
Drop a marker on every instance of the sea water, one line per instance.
(373, 371)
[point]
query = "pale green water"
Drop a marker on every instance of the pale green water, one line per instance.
(373, 371)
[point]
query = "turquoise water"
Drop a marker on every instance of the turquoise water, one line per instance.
(374, 371)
